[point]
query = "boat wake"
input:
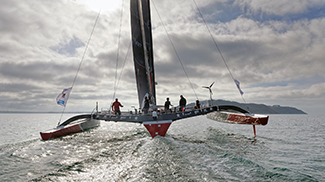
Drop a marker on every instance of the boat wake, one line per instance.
(127, 153)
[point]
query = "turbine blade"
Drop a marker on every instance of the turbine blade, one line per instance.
(211, 84)
(210, 91)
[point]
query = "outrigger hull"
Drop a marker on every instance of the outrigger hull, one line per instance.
(238, 118)
(64, 130)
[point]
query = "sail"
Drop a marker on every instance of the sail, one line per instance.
(142, 50)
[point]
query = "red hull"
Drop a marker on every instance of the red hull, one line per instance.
(237, 118)
(69, 129)
(157, 128)
(61, 132)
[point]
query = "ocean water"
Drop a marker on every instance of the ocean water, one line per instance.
(289, 148)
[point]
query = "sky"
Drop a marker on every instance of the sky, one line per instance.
(275, 49)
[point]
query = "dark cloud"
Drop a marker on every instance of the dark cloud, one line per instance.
(274, 48)
(34, 71)
(15, 87)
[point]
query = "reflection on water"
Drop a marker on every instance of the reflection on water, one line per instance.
(193, 150)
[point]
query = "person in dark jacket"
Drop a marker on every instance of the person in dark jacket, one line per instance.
(146, 105)
(167, 104)
(182, 103)
(197, 104)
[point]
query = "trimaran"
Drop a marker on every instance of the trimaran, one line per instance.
(156, 121)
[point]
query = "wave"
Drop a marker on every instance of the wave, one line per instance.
(127, 153)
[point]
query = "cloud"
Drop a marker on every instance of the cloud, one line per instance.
(274, 48)
(280, 7)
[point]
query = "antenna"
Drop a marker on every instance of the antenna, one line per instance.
(209, 88)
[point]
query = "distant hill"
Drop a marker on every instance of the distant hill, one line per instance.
(258, 108)
(254, 108)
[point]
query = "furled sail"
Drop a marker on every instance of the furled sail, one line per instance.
(142, 50)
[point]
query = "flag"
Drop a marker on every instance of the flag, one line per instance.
(62, 98)
(238, 86)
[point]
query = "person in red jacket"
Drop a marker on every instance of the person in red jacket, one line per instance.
(116, 107)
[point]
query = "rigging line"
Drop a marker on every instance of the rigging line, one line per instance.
(215, 43)
(126, 56)
(118, 51)
(178, 57)
(82, 58)
(118, 81)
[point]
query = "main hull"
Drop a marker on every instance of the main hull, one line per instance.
(157, 128)
(61, 131)
(140, 118)
(156, 124)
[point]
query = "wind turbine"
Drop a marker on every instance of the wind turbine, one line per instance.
(209, 88)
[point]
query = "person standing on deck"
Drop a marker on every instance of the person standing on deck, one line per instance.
(197, 104)
(167, 104)
(182, 103)
(116, 107)
(146, 105)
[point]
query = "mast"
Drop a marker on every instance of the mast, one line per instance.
(142, 50)
(146, 58)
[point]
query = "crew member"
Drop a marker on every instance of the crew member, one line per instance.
(197, 104)
(146, 105)
(182, 103)
(116, 107)
(167, 104)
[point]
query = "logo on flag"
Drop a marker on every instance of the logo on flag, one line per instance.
(63, 97)
(238, 86)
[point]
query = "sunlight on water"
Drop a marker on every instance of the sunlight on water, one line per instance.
(288, 149)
